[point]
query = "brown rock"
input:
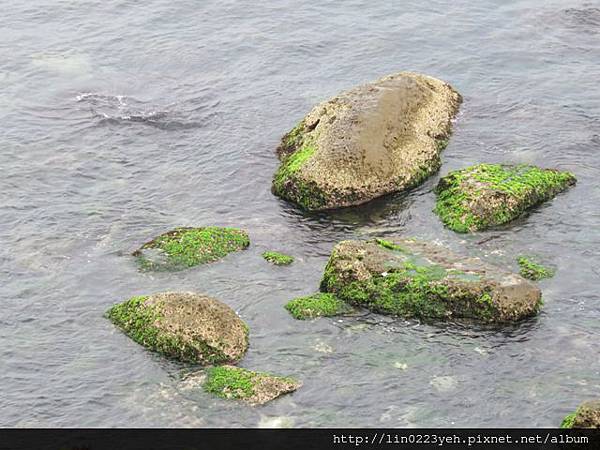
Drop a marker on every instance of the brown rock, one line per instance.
(183, 325)
(378, 138)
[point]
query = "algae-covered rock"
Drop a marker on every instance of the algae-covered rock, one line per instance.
(187, 247)
(255, 388)
(486, 195)
(586, 416)
(532, 270)
(183, 325)
(410, 278)
(316, 305)
(375, 139)
(279, 259)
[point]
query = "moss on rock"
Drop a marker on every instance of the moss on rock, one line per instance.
(316, 305)
(532, 270)
(486, 195)
(587, 415)
(255, 388)
(279, 259)
(185, 326)
(187, 247)
(568, 421)
(372, 140)
(416, 279)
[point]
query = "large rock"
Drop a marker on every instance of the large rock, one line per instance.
(372, 140)
(586, 416)
(486, 195)
(186, 247)
(183, 325)
(410, 278)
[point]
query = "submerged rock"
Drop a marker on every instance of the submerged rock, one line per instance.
(586, 416)
(485, 195)
(279, 259)
(375, 139)
(316, 305)
(187, 247)
(410, 278)
(444, 383)
(255, 388)
(183, 325)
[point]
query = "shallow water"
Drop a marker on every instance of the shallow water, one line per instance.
(121, 121)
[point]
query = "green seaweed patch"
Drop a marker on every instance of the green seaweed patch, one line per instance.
(532, 270)
(569, 420)
(317, 305)
(296, 149)
(189, 247)
(426, 292)
(241, 384)
(289, 185)
(279, 259)
(389, 245)
(141, 322)
(485, 195)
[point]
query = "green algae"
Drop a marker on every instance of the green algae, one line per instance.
(587, 415)
(389, 245)
(187, 247)
(287, 184)
(296, 149)
(316, 305)
(141, 322)
(228, 382)
(231, 382)
(423, 292)
(532, 270)
(486, 195)
(279, 259)
(569, 420)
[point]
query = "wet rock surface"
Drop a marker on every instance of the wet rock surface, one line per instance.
(412, 278)
(254, 388)
(183, 325)
(485, 195)
(587, 415)
(375, 139)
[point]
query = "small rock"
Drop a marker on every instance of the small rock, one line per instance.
(254, 388)
(187, 247)
(316, 305)
(533, 270)
(587, 415)
(322, 347)
(279, 259)
(444, 384)
(486, 195)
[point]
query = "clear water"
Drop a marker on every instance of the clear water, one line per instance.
(121, 120)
